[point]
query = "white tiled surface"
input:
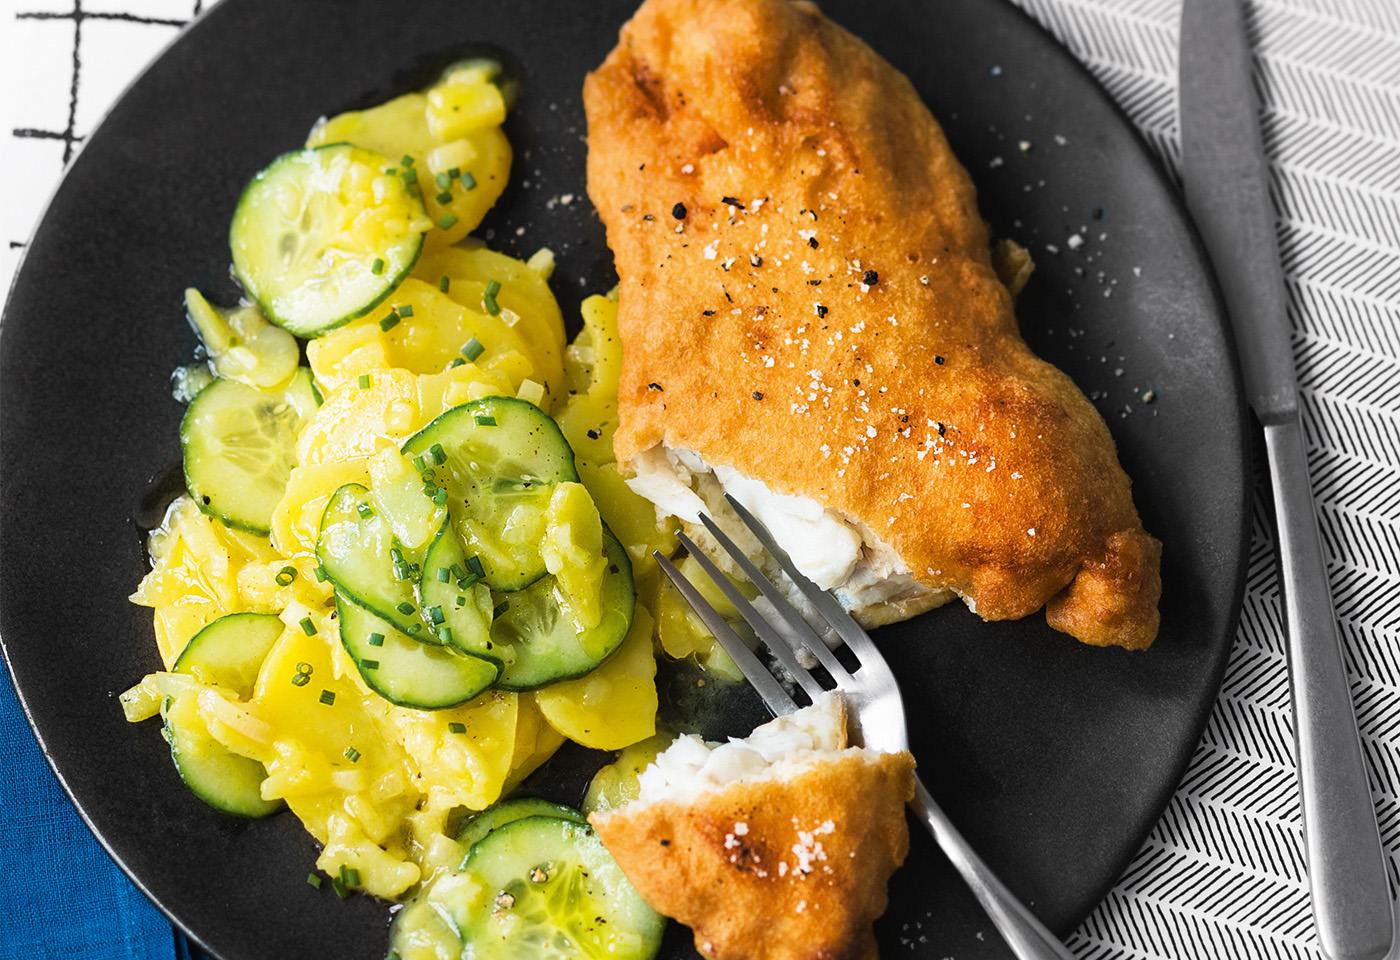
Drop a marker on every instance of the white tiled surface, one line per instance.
(62, 63)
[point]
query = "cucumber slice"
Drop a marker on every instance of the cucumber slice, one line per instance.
(465, 607)
(239, 446)
(539, 642)
(229, 652)
(501, 458)
(356, 549)
(309, 230)
(617, 783)
(475, 829)
(226, 781)
(545, 887)
(402, 670)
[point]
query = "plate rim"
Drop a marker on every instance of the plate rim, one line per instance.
(1242, 424)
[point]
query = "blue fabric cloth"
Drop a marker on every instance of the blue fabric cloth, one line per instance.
(60, 894)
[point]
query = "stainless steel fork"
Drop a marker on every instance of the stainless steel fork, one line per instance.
(874, 705)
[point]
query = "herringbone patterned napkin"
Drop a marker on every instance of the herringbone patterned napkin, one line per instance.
(1222, 875)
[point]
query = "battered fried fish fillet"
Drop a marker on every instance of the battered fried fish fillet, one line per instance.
(776, 847)
(811, 320)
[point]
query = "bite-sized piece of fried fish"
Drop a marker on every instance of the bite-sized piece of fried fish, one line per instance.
(811, 321)
(775, 847)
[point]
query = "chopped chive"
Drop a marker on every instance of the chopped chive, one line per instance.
(376, 639)
(456, 362)
(405, 608)
(488, 299)
(474, 564)
(440, 497)
(473, 349)
(420, 463)
(438, 454)
(303, 676)
(443, 181)
(365, 510)
(396, 554)
(327, 697)
(320, 573)
(468, 181)
(390, 321)
(485, 420)
(407, 160)
(444, 634)
(457, 727)
(351, 753)
(454, 173)
(365, 381)
(461, 601)
(406, 311)
(444, 283)
(409, 177)
(314, 880)
(444, 198)
(391, 171)
(307, 627)
(501, 608)
(285, 576)
(457, 571)
(377, 267)
(338, 886)
(443, 575)
(447, 222)
(414, 629)
(467, 582)
(352, 877)
(369, 664)
(401, 571)
(435, 614)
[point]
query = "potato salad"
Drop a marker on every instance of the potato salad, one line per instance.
(406, 568)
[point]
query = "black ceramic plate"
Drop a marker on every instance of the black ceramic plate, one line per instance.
(1055, 759)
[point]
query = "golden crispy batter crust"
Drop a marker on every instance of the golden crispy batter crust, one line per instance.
(791, 869)
(903, 396)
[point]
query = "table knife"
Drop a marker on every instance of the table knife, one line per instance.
(1226, 182)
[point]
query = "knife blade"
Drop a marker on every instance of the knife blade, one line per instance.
(1225, 175)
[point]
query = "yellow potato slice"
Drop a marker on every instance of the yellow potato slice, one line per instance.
(615, 705)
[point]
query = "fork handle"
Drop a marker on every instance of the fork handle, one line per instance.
(1026, 935)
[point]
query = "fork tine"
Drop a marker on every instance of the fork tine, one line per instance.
(777, 644)
(779, 701)
(827, 605)
(798, 623)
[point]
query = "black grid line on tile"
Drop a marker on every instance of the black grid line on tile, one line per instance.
(78, 14)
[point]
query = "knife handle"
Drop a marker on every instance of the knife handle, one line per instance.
(1346, 868)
